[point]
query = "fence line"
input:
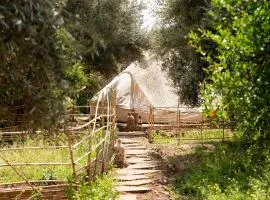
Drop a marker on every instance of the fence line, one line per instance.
(180, 121)
(98, 142)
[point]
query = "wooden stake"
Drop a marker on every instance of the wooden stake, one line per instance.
(71, 153)
(178, 121)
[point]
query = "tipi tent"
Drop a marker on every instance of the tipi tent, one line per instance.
(139, 86)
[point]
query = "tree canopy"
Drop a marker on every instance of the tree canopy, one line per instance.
(183, 63)
(51, 49)
(239, 71)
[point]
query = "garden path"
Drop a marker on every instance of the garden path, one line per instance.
(139, 177)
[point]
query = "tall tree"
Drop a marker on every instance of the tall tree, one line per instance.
(50, 49)
(110, 37)
(184, 66)
(239, 72)
(31, 72)
(109, 32)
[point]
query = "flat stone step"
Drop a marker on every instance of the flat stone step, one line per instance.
(136, 171)
(130, 134)
(138, 159)
(135, 147)
(142, 156)
(146, 162)
(135, 182)
(142, 166)
(129, 141)
(131, 177)
(128, 197)
(132, 189)
(135, 152)
(157, 164)
(132, 145)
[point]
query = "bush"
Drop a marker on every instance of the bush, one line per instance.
(239, 70)
(227, 173)
(102, 188)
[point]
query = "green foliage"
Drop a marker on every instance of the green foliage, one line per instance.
(77, 77)
(184, 66)
(226, 173)
(239, 70)
(53, 49)
(31, 70)
(49, 174)
(108, 32)
(101, 188)
(7, 175)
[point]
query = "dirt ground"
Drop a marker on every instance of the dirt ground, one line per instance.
(174, 161)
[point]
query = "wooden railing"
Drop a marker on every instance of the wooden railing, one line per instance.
(89, 145)
(182, 119)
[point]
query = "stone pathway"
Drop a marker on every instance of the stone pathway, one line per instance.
(140, 173)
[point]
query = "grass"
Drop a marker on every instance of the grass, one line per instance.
(7, 175)
(226, 173)
(101, 188)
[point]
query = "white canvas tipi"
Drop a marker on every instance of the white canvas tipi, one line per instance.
(139, 86)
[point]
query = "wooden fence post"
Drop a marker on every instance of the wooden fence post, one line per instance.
(178, 123)
(151, 119)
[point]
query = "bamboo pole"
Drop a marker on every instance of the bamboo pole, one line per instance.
(34, 148)
(32, 164)
(89, 147)
(114, 118)
(104, 136)
(90, 151)
(87, 137)
(71, 153)
(107, 135)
